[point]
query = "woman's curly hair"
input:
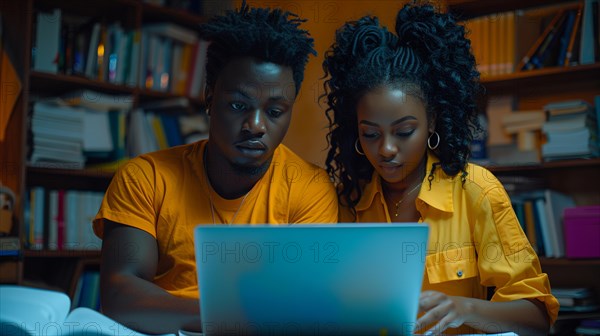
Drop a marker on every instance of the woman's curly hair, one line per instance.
(429, 57)
(270, 35)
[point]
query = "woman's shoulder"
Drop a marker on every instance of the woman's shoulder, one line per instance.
(480, 175)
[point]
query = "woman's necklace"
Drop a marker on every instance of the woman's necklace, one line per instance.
(405, 196)
(212, 207)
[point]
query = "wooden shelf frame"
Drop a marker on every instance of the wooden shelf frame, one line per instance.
(89, 254)
(570, 164)
(467, 9)
(502, 83)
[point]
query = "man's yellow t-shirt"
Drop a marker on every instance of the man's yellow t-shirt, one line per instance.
(475, 239)
(166, 194)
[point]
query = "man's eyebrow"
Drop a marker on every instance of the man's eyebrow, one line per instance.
(247, 95)
(278, 98)
(240, 92)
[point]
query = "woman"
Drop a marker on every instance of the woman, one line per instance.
(402, 111)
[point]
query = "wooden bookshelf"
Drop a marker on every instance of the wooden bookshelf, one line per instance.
(59, 269)
(532, 90)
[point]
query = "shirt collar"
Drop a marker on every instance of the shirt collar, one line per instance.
(439, 195)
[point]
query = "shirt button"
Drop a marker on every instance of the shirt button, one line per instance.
(459, 273)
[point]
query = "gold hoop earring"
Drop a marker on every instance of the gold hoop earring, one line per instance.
(437, 143)
(356, 148)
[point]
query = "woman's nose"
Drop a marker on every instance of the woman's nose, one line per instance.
(388, 148)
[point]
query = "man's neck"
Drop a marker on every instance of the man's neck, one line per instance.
(229, 181)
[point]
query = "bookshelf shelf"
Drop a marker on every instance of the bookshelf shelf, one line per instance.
(507, 83)
(146, 94)
(466, 9)
(88, 254)
(155, 13)
(569, 262)
(60, 83)
(573, 316)
(574, 164)
(80, 179)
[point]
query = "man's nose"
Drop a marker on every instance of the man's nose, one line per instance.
(255, 122)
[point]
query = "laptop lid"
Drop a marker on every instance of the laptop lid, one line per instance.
(345, 279)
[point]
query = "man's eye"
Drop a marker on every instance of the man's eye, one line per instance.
(275, 113)
(238, 106)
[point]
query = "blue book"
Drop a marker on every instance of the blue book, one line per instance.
(566, 36)
(549, 44)
(172, 131)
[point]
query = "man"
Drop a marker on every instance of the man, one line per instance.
(241, 174)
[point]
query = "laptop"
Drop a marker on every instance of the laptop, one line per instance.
(344, 279)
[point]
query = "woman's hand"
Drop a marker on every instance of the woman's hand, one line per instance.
(442, 311)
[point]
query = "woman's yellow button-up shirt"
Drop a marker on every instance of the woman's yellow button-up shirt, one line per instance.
(475, 242)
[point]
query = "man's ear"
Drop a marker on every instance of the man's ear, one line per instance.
(208, 99)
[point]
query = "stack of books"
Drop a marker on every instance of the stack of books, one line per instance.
(581, 299)
(79, 128)
(525, 127)
(57, 136)
(571, 130)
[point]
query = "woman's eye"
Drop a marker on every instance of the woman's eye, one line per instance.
(370, 134)
(405, 133)
(238, 106)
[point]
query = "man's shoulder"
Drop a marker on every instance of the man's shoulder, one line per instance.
(285, 155)
(293, 168)
(174, 155)
(173, 158)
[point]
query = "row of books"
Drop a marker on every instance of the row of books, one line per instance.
(73, 46)
(159, 56)
(172, 60)
(563, 35)
(576, 299)
(61, 219)
(540, 213)
(96, 130)
(150, 130)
